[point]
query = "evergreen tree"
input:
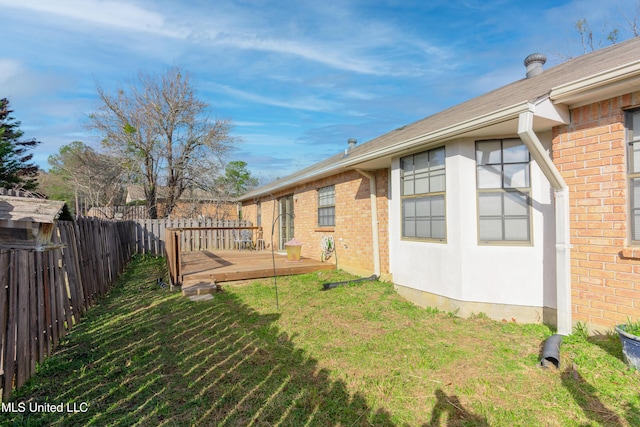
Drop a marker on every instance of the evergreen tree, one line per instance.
(237, 179)
(16, 171)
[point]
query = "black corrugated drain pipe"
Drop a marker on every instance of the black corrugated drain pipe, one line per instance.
(327, 286)
(551, 351)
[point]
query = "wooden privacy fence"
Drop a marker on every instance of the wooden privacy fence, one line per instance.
(121, 213)
(198, 235)
(44, 293)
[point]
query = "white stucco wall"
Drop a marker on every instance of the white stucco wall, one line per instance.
(463, 270)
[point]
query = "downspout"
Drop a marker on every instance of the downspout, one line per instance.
(563, 245)
(374, 220)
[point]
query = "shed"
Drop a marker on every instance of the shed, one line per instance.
(27, 222)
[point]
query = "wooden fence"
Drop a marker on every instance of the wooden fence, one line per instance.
(44, 293)
(122, 213)
(197, 235)
(17, 192)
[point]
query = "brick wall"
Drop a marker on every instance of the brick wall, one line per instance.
(213, 210)
(249, 213)
(352, 232)
(591, 155)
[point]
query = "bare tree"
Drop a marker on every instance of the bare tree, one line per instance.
(610, 33)
(162, 128)
(95, 177)
(632, 20)
(589, 44)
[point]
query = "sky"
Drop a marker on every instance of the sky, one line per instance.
(296, 78)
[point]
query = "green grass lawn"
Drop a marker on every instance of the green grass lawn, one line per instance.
(352, 356)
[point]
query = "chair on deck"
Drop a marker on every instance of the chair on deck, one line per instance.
(260, 245)
(242, 239)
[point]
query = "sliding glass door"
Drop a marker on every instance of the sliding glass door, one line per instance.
(285, 211)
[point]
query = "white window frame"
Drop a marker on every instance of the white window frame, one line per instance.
(633, 141)
(423, 195)
(327, 206)
(505, 177)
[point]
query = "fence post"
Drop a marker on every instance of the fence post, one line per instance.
(41, 301)
(12, 314)
(5, 257)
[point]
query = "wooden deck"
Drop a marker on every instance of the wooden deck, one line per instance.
(202, 272)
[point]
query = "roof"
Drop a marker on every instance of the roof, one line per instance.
(584, 79)
(30, 209)
(136, 192)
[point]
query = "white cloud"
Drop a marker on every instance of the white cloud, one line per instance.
(9, 69)
(309, 103)
(105, 13)
(339, 37)
(18, 81)
(359, 95)
(331, 56)
(247, 123)
(372, 47)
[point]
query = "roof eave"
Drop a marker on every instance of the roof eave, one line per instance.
(607, 84)
(269, 189)
(438, 136)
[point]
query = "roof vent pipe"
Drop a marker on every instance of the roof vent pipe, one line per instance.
(352, 143)
(534, 63)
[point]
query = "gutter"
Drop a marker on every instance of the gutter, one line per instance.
(563, 246)
(374, 220)
(290, 181)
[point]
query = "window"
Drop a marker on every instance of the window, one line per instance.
(633, 137)
(503, 191)
(259, 214)
(327, 206)
(423, 190)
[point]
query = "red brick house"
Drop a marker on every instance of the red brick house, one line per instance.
(522, 203)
